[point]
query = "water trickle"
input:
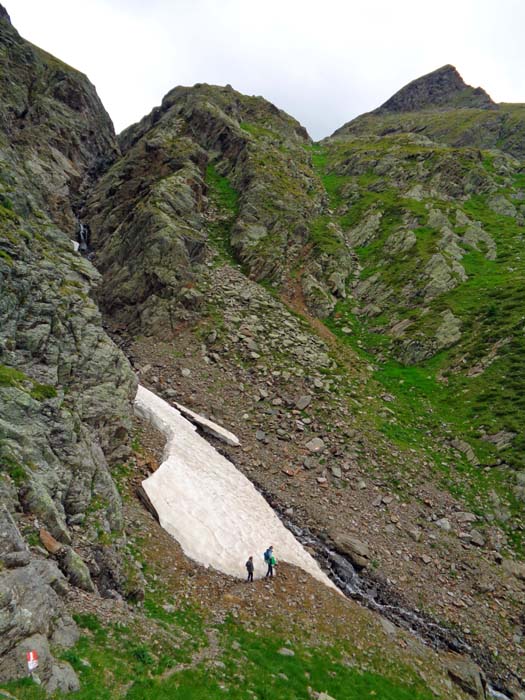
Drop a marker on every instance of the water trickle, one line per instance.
(83, 238)
(377, 597)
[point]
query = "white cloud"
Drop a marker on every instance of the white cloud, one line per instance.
(324, 62)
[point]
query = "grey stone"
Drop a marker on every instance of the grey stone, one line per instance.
(467, 675)
(448, 332)
(75, 569)
(303, 402)
(465, 517)
(62, 679)
(466, 449)
(477, 538)
(315, 445)
(309, 463)
(389, 628)
(10, 538)
(444, 524)
(514, 568)
(284, 651)
(15, 559)
(66, 634)
(356, 550)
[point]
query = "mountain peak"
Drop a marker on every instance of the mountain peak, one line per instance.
(4, 14)
(443, 88)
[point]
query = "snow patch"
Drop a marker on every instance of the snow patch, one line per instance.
(209, 426)
(208, 506)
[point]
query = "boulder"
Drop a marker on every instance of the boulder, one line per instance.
(467, 675)
(514, 568)
(356, 550)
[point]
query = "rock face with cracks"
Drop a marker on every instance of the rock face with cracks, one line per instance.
(65, 389)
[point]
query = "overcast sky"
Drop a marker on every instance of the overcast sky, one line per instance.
(324, 62)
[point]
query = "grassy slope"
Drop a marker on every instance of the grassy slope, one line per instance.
(436, 398)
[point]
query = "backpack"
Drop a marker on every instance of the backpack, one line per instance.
(267, 556)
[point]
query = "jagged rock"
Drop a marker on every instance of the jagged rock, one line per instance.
(477, 538)
(75, 569)
(367, 230)
(356, 550)
(515, 568)
(31, 610)
(443, 275)
(443, 87)
(303, 401)
(501, 205)
(62, 679)
(400, 242)
(479, 239)
(11, 540)
(465, 517)
(444, 524)
(467, 675)
(466, 449)
(502, 439)
(448, 333)
(16, 559)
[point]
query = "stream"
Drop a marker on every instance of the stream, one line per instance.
(382, 598)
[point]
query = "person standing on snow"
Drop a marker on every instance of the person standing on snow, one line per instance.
(249, 569)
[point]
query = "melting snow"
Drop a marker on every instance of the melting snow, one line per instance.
(208, 506)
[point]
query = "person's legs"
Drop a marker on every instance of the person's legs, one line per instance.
(250, 576)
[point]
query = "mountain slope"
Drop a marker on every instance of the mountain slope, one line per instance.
(64, 387)
(438, 231)
(211, 170)
(223, 235)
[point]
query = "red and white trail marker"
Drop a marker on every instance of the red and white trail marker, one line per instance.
(32, 660)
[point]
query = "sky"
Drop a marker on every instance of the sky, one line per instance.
(323, 62)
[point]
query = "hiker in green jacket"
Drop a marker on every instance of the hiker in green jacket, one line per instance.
(269, 558)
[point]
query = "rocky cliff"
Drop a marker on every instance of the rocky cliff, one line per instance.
(210, 174)
(65, 389)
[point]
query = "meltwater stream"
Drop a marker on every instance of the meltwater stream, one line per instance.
(211, 509)
(377, 597)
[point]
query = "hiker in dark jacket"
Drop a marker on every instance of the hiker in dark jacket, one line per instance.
(249, 569)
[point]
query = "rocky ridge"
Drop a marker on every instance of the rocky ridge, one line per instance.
(211, 168)
(65, 389)
(443, 88)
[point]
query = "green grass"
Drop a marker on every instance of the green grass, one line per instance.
(12, 467)
(41, 392)
(112, 662)
(437, 398)
(226, 200)
(9, 376)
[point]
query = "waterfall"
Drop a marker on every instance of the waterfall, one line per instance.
(83, 238)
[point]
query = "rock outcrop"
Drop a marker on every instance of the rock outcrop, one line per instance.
(443, 88)
(210, 172)
(65, 389)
